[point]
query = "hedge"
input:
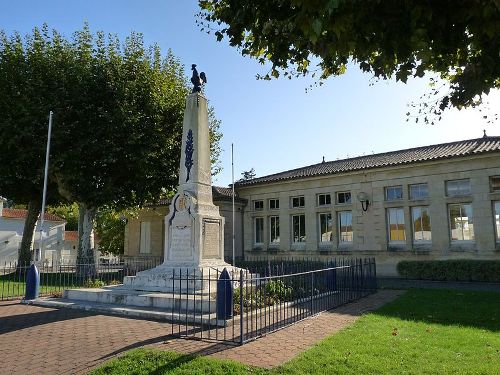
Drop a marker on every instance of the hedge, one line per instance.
(451, 270)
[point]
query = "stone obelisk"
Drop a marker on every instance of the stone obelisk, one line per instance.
(194, 229)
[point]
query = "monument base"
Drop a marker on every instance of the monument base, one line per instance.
(181, 278)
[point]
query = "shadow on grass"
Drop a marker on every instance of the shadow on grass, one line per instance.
(447, 307)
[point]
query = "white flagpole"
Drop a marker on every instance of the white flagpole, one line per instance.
(42, 218)
(232, 173)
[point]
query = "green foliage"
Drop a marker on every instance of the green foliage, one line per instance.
(278, 290)
(93, 283)
(215, 137)
(264, 295)
(69, 212)
(451, 270)
(458, 41)
(247, 175)
(117, 125)
(110, 228)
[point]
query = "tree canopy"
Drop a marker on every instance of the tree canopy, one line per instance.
(458, 40)
(118, 111)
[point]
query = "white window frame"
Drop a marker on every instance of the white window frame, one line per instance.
(348, 237)
(145, 237)
(418, 187)
(300, 199)
(495, 184)
(326, 197)
(276, 204)
(349, 201)
(274, 238)
(302, 228)
(496, 219)
(400, 214)
(420, 240)
(320, 228)
(462, 229)
(255, 230)
(462, 186)
(388, 188)
(258, 202)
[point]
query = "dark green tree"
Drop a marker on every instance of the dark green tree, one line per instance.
(458, 40)
(28, 78)
(247, 175)
(118, 112)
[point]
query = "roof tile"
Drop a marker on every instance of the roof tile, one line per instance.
(393, 158)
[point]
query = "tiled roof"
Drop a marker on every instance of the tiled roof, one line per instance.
(225, 193)
(394, 158)
(71, 235)
(218, 193)
(15, 213)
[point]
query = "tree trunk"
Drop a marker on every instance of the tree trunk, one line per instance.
(25, 255)
(85, 258)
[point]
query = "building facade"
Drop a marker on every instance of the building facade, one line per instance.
(432, 202)
(426, 203)
(11, 234)
(145, 233)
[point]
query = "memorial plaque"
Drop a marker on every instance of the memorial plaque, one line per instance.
(181, 245)
(211, 241)
(181, 237)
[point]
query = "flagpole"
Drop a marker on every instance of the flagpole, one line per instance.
(232, 176)
(44, 196)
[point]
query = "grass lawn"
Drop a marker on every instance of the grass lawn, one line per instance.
(422, 332)
(13, 284)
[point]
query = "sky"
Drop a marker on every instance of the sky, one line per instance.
(274, 125)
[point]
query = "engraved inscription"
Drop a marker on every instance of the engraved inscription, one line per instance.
(211, 241)
(181, 237)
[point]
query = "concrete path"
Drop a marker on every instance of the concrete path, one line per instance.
(39, 340)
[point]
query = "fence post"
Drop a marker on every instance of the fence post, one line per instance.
(224, 296)
(32, 283)
(242, 338)
(312, 292)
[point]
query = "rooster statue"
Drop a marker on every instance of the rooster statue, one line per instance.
(197, 80)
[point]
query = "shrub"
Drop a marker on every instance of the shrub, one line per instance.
(93, 283)
(451, 270)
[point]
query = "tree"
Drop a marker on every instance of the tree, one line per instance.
(247, 175)
(110, 228)
(69, 212)
(27, 80)
(458, 40)
(118, 111)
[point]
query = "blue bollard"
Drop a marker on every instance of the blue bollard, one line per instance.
(32, 283)
(224, 296)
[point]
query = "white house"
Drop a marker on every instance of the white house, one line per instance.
(11, 233)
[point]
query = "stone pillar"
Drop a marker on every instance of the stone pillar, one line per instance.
(194, 229)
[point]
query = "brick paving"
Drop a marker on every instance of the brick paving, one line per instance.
(40, 340)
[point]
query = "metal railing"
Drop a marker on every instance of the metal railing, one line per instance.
(57, 277)
(233, 308)
(263, 304)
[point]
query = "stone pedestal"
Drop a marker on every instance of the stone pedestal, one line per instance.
(194, 235)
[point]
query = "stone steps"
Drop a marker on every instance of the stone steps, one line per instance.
(120, 295)
(152, 313)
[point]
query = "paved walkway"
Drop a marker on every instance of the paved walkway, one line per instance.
(39, 340)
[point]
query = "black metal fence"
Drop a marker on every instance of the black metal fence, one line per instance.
(263, 304)
(256, 299)
(57, 277)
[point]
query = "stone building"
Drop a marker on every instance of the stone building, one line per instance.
(432, 202)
